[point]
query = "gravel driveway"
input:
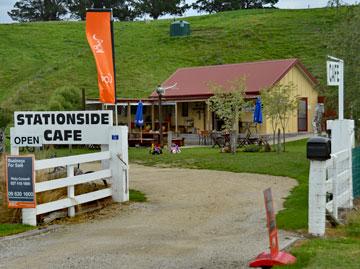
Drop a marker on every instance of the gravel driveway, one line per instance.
(194, 219)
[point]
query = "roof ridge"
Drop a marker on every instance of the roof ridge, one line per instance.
(243, 63)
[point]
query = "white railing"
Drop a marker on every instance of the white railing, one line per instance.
(339, 182)
(70, 181)
(114, 163)
(329, 178)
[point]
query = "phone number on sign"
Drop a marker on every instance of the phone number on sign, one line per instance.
(20, 194)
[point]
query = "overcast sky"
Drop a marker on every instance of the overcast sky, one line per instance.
(6, 5)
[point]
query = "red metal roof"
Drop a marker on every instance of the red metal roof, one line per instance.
(194, 82)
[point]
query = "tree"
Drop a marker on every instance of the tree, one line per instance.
(157, 8)
(214, 6)
(335, 3)
(344, 43)
(227, 104)
(122, 9)
(38, 10)
(268, 98)
(280, 102)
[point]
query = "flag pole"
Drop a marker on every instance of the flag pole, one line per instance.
(114, 66)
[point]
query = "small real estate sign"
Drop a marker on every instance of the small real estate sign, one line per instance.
(20, 181)
(271, 223)
(35, 128)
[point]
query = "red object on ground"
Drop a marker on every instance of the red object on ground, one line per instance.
(266, 260)
(275, 257)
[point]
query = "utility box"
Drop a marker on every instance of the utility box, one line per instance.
(318, 148)
(180, 28)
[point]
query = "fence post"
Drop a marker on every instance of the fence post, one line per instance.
(118, 147)
(169, 142)
(317, 197)
(71, 190)
(335, 186)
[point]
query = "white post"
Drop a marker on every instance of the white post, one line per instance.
(335, 187)
(170, 137)
(341, 90)
(118, 147)
(317, 197)
(28, 214)
(71, 190)
(116, 115)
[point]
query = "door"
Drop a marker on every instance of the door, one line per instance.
(302, 115)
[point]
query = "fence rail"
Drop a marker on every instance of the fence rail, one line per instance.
(338, 184)
(331, 178)
(70, 202)
(69, 182)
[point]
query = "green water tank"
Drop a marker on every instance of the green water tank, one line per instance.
(180, 28)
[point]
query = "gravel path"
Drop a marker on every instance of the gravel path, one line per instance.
(194, 219)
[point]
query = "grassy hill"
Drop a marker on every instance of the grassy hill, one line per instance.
(39, 58)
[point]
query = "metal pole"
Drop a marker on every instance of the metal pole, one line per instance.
(341, 90)
(160, 122)
(116, 114)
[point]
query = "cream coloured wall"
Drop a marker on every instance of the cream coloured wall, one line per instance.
(196, 113)
(305, 89)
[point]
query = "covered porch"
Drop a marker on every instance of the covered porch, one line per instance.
(189, 120)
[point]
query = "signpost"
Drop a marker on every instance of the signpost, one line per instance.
(35, 129)
(335, 77)
(275, 257)
(271, 223)
(20, 181)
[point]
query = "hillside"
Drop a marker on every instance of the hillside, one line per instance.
(38, 58)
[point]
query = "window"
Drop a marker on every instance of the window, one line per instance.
(185, 109)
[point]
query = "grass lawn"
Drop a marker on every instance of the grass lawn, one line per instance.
(9, 229)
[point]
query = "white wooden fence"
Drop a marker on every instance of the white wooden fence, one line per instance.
(330, 181)
(114, 163)
(339, 182)
(330, 188)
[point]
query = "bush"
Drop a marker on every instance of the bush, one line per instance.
(252, 148)
(65, 98)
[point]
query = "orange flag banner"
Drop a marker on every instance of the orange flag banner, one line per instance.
(100, 38)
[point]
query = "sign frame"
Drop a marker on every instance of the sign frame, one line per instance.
(339, 80)
(271, 223)
(38, 128)
(20, 204)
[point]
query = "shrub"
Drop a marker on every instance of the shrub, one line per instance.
(65, 98)
(252, 148)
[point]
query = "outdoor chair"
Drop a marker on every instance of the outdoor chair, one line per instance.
(203, 137)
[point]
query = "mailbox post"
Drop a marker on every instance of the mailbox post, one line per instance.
(318, 152)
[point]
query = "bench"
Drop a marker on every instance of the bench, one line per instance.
(142, 142)
(178, 141)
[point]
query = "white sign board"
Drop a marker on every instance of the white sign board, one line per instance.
(333, 73)
(75, 127)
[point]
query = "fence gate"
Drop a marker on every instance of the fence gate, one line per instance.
(356, 171)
